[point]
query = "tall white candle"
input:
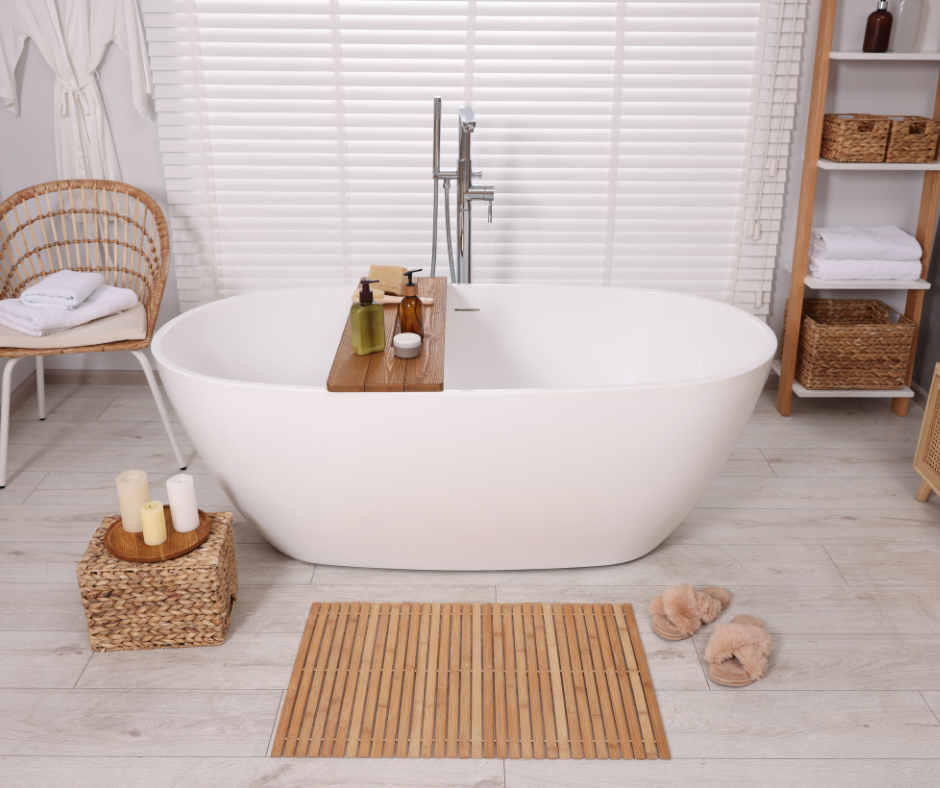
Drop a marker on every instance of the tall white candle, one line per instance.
(154, 523)
(182, 495)
(133, 493)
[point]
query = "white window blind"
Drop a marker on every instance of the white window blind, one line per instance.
(623, 139)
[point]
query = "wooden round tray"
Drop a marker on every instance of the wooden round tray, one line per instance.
(131, 547)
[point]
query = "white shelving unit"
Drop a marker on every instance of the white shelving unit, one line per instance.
(801, 391)
(865, 284)
(812, 165)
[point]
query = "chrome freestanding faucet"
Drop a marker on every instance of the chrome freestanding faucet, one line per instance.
(467, 192)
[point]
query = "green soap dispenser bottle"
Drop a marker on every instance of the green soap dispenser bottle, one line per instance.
(367, 322)
(411, 310)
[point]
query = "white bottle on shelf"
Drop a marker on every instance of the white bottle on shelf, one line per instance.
(906, 27)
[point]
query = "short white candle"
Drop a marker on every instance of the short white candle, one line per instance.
(133, 493)
(154, 524)
(182, 495)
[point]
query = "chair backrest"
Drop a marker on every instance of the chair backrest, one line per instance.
(104, 226)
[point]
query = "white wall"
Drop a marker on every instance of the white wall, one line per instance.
(27, 157)
(857, 198)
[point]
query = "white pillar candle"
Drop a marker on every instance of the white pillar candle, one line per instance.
(154, 524)
(182, 495)
(133, 493)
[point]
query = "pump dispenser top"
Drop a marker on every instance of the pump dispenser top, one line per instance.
(365, 292)
(411, 289)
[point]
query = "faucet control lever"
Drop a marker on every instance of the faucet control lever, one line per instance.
(489, 211)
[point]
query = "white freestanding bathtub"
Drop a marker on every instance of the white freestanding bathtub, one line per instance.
(578, 425)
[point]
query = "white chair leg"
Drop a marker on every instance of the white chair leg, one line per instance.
(5, 418)
(41, 388)
(158, 398)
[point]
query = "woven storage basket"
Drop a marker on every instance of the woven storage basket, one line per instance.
(852, 344)
(172, 604)
(862, 138)
(912, 139)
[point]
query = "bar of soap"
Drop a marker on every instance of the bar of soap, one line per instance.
(391, 278)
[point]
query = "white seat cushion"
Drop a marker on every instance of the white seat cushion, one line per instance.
(130, 324)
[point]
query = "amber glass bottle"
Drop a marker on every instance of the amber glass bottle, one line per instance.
(878, 30)
(411, 310)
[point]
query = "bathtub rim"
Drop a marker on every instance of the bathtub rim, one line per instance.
(162, 360)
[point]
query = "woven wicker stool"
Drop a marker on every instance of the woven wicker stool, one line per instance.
(172, 604)
(927, 457)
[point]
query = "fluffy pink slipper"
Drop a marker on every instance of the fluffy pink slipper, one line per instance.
(679, 611)
(737, 652)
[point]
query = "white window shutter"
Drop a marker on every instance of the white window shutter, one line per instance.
(621, 137)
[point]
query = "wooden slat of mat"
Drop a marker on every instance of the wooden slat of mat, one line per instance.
(659, 731)
(532, 674)
(430, 692)
(290, 698)
(501, 736)
(405, 642)
(466, 655)
(476, 702)
(557, 691)
(600, 680)
(612, 682)
(489, 705)
(636, 683)
(375, 678)
(623, 680)
(443, 667)
(339, 684)
(580, 691)
(470, 681)
(320, 673)
(385, 685)
(413, 749)
(365, 675)
(567, 676)
(512, 695)
(522, 685)
(332, 666)
(545, 682)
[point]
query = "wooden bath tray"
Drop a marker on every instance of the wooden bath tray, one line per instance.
(383, 371)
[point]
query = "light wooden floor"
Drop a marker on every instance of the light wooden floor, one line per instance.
(812, 526)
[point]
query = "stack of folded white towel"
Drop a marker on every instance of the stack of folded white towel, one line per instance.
(64, 300)
(864, 253)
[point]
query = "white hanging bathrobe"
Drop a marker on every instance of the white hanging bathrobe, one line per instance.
(72, 36)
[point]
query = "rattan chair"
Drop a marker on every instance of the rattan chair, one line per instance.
(111, 228)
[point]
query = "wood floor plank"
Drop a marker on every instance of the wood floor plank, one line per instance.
(42, 660)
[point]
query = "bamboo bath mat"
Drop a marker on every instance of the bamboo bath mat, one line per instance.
(427, 680)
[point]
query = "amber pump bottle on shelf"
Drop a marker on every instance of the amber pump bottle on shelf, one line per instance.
(367, 322)
(411, 310)
(878, 30)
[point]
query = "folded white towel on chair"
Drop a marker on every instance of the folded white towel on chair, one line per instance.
(38, 322)
(65, 289)
(864, 243)
(864, 269)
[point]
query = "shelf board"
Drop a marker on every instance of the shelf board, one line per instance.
(923, 56)
(866, 284)
(800, 391)
(827, 164)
